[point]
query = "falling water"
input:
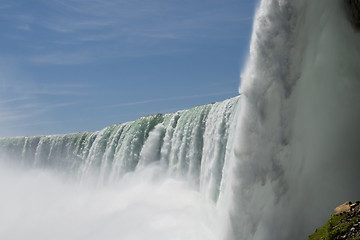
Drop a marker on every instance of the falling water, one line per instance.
(158, 177)
(298, 134)
(270, 164)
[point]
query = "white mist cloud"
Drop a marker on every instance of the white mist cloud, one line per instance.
(38, 204)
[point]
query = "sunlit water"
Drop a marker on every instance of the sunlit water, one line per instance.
(159, 177)
(269, 165)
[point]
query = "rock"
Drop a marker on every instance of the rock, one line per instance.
(354, 205)
(343, 224)
(346, 207)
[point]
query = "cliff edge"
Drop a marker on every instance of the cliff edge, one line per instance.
(343, 224)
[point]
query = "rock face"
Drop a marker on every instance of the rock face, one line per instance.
(353, 9)
(343, 224)
(343, 208)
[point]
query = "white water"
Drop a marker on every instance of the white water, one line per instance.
(277, 163)
(297, 149)
(156, 178)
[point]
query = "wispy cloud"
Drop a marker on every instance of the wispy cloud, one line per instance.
(24, 101)
(172, 99)
(15, 89)
(28, 110)
(60, 89)
(224, 83)
(59, 92)
(155, 19)
(5, 6)
(11, 100)
(30, 124)
(25, 27)
(62, 58)
(80, 32)
(6, 116)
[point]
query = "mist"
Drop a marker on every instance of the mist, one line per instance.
(44, 204)
(271, 164)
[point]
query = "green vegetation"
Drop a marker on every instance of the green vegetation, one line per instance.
(337, 225)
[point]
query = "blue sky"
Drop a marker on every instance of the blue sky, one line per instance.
(81, 65)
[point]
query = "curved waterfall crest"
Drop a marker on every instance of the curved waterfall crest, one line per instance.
(191, 143)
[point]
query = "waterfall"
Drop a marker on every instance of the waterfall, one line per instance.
(297, 154)
(191, 143)
(268, 165)
(159, 177)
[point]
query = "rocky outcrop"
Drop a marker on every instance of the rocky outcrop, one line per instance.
(343, 224)
(353, 9)
(351, 222)
(345, 208)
